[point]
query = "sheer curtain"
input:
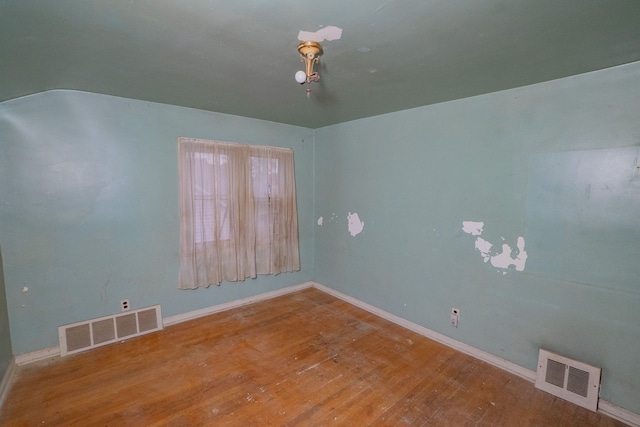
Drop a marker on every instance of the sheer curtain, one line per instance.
(238, 212)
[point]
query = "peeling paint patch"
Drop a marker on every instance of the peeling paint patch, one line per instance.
(472, 227)
(502, 260)
(484, 247)
(320, 221)
(327, 33)
(354, 223)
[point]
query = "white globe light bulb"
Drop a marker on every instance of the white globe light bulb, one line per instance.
(301, 77)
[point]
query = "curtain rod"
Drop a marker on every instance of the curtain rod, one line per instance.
(232, 144)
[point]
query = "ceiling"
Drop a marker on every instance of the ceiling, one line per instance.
(239, 56)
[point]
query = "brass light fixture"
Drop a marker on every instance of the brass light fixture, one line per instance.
(310, 53)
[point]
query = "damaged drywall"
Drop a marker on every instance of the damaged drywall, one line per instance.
(355, 224)
(327, 33)
(502, 260)
(472, 227)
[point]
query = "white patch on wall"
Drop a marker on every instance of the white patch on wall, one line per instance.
(502, 260)
(327, 33)
(484, 247)
(472, 227)
(320, 221)
(355, 225)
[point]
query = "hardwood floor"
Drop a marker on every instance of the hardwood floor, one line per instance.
(303, 359)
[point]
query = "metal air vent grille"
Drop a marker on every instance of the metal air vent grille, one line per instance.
(569, 379)
(93, 333)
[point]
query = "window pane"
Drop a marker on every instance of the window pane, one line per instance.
(211, 197)
(264, 172)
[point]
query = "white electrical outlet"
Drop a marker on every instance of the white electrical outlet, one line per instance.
(454, 317)
(453, 320)
(124, 305)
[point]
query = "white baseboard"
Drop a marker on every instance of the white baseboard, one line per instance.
(234, 304)
(7, 381)
(618, 413)
(443, 339)
(50, 352)
(604, 407)
(37, 355)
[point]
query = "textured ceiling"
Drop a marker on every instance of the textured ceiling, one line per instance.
(239, 57)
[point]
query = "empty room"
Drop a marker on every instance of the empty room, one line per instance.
(256, 213)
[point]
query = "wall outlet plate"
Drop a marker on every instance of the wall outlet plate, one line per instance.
(124, 305)
(453, 320)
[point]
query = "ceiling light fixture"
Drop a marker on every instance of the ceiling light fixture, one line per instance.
(310, 53)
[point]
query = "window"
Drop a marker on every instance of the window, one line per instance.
(208, 227)
(238, 212)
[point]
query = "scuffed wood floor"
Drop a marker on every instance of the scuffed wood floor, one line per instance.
(304, 359)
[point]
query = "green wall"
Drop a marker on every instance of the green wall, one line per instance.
(89, 208)
(554, 163)
(89, 215)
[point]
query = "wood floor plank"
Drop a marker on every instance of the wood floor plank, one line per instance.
(303, 359)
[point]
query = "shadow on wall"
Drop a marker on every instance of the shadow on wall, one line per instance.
(590, 235)
(6, 353)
